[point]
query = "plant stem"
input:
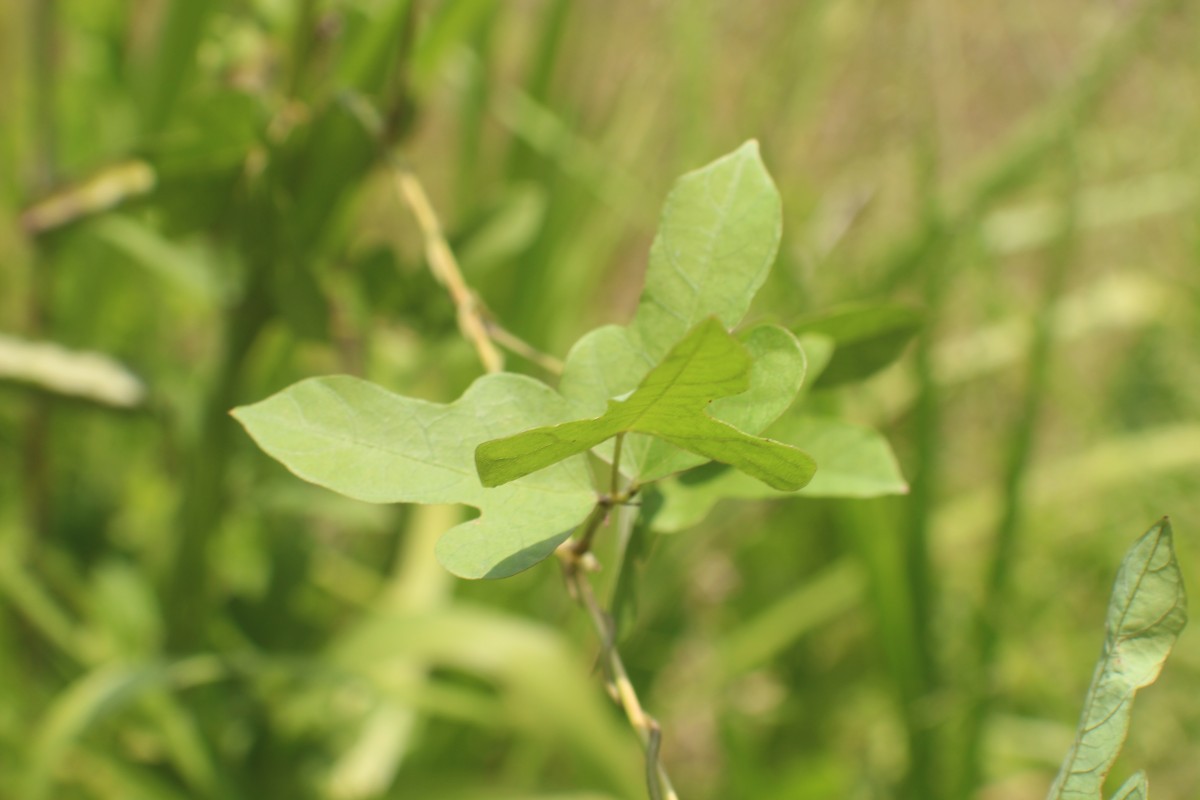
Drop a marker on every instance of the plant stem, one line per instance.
(575, 554)
(647, 728)
(515, 344)
(575, 560)
(445, 269)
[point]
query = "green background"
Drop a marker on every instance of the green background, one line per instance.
(180, 617)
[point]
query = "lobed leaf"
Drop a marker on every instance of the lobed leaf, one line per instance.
(778, 366)
(670, 405)
(363, 441)
(1146, 613)
(855, 461)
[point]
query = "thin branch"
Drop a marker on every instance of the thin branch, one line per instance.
(513, 343)
(576, 559)
(445, 269)
(575, 554)
(646, 727)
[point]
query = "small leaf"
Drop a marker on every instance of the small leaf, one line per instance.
(866, 339)
(855, 462)
(1136, 788)
(716, 242)
(363, 441)
(1146, 613)
(669, 404)
(777, 371)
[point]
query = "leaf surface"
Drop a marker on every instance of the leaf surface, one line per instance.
(670, 404)
(363, 441)
(717, 239)
(1146, 613)
(1135, 788)
(855, 462)
(716, 242)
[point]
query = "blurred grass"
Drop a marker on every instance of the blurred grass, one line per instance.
(805, 649)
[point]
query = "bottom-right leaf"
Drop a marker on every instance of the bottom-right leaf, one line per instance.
(1133, 789)
(1146, 612)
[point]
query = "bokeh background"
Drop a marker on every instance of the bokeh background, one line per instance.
(181, 618)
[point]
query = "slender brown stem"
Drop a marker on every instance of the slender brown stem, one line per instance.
(646, 727)
(513, 343)
(575, 554)
(576, 558)
(445, 269)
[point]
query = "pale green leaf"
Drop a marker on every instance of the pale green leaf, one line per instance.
(669, 404)
(363, 441)
(854, 462)
(716, 242)
(1146, 613)
(1136, 788)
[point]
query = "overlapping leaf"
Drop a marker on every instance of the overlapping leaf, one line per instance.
(670, 404)
(866, 339)
(363, 441)
(1146, 613)
(716, 242)
(855, 462)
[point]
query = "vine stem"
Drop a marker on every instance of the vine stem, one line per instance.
(445, 269)
(576, 558)
(621, 687)
(575, 555)
(474, 320)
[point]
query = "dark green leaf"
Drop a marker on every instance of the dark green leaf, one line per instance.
(866, 339)
(854, 462)
(669, 404)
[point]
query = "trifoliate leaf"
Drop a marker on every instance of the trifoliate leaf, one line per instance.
(670, 404)
(363, 441)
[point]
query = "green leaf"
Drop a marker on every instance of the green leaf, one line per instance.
(866, 339)
(1146, 613)
(669, 404)
(855, 462)
(1136, 788)
(777, 371)
(363, 441)
(716, 242)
